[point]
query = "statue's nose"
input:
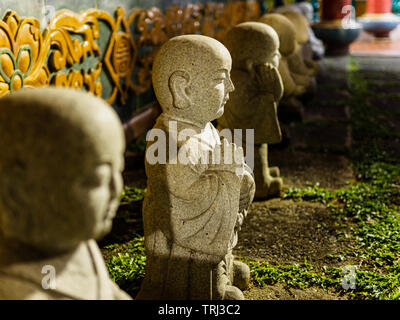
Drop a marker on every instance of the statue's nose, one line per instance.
(231, 87)
(116, 185)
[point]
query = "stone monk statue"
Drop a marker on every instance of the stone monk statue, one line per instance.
(60, 175)
(298, 62)
(295, 85)
(195, 200)
(255, 53)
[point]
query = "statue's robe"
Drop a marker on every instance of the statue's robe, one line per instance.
(189, 215)
(79, 275)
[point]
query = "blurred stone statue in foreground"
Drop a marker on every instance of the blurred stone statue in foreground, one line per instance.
(60, 174)
(255, 53)
(194, 205)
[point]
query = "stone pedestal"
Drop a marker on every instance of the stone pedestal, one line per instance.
(379, 20)
(337, 28)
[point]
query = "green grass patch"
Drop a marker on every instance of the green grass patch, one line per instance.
(312, 193)
(127, 267)
(132, 194)
(358, 284)
(297, 276)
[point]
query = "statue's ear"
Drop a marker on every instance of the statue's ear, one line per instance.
(179, 83)
(249, 67)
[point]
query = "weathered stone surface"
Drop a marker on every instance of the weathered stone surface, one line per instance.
(192, 210)
(255, 53)
(60, 172)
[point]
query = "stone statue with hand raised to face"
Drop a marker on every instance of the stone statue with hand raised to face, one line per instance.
(60, 177)
(295, 86)
(194, 204)
(300, 64)
(296, 82)
(255, 53)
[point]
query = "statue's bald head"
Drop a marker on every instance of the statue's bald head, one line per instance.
(307, 10)
(50, 138)
(252, 40)
(43, 126)
(187, 63)
(285, 30)
(301, 24)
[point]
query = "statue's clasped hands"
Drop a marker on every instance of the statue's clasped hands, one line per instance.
(231, 158)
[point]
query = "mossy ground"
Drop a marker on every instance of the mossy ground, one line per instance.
(335, 234)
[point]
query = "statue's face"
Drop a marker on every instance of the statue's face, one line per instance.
(98, 192)
(67, 189)
(275, 58)
(266, 52)
(211, 88)
(222, 86)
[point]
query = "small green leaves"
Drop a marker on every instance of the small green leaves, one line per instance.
(132, 194)
(127, 267)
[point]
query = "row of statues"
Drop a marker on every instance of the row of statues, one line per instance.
(61, 177)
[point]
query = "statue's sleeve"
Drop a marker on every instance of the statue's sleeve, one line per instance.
(265, 124)
(204, 204)
(288, 82)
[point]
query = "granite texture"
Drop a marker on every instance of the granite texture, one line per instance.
(192, 210)
(60, 190)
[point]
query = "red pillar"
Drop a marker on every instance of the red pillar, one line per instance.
(379, 19)
(332, 9)
(379, 6)
(335, 30)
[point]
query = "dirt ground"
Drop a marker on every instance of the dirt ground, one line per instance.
(289, 232)
(282, 292)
